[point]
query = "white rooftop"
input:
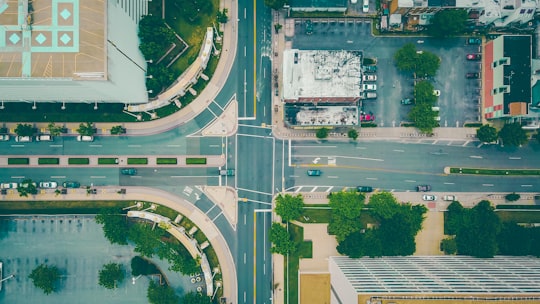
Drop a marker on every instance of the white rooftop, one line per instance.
(321, 74)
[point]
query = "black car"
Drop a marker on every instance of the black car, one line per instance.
(472, 75)
(423, 188)
(129, 171)
(71, 185)
(364, 189)
(474, 41)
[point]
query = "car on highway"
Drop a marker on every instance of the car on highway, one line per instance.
(85, 138)
(423, 188)
(226, 172)
(450, 198)
(437, 93)
(23, 138)
(129, 171)
(369, 87)
(364, 189)
(48, 185)
(474, 56)
(71, 185)
(472, 75)
(429, 197)
(474, 41)
(406, 101)
(314, 172)
(4, 137)
(9, 185)
(369, 77)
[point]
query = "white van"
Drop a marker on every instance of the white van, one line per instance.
(23, 138)
(365, 7)
(85, 138)
(4, 137)
(44, 137)
(435, 109)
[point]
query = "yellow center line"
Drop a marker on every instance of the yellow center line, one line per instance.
(254, 58)
(254, 257)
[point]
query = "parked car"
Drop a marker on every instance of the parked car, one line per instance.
(450, 198)
(9, 185)
(472, 75)
(423, 188)
(367, 117)
(365, 7)
(370, 68)
(314, 172)
(406, 101)
(309, 27)
(48, 185)
(437, 118)
(474, 41)
(364, 189)
(369, 87)
(226, 172)
(4, 137)
(129, 171)
(437, 93)
(85, 138)
(474, 56)
(369, 95)
(71, 185)
(369, 77)
(44, 137)
(429, 197)
(23, 138)
(435, 109)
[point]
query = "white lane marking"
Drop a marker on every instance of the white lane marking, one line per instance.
(361, 148)
(214, 219)
(372, 178)
(17, 146)
(318, 147)
(135, 176)
(514, 158)
(215, 146)
(313, 190)
(134, 146)
(345, 157)
(475, 156)
(487, 185)
(173, 146)
(398, 150)
(17, 177)
(410, 181)
(58, 176)
(332, 176)
(96, 146)
(245, 219)
(188, 176)
(526, 185)
(294, 176)
(329, 189)
(245, 257)
(449, 183)
(98, 176)
(254, 191)
(56, 146)
(264, 267)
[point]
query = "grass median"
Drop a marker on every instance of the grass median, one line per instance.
(18, 161)
(481, 171)
(59, 207)
(137, 161)
(78, 161)
(166, 161)
(107, 161)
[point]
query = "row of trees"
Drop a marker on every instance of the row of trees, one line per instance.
(511, 134)
(288, 207)
(86, 129)
(479, 232)
(422, 113)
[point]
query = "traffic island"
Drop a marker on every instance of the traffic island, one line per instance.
(484, 171)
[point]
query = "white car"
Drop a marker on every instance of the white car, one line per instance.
(369, 87)
(365, 7)
(369, 77)
(4, 137)
(450, 198)
(429, 197)
(23, 138)
(9, 185)
(48, 185)
(85, 138)
(437, 93)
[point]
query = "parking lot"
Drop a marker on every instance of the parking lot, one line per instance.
(460, 97)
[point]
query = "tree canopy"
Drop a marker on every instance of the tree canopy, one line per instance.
(24, 130)
(276, 4)
(27, 187)
(422, 63)
(346, 207)
(111, 275)
(146, 239)
(427, 64)
(406, 58)
(115, 226)
(45, 278)
(322, 133)
(195, 298)
(448, 23)
(86, 129)
(487, 134)
(161, 294)
(289, 207)
(280, 239)
(513, 135)
(141, 266)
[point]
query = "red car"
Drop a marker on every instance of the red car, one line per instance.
(367, 117)
(474, 56)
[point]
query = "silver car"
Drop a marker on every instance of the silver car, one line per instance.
(429, 197)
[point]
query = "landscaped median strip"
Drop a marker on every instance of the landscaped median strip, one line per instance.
(484, 171)
(113, 160)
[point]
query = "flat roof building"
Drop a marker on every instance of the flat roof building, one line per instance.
(435, 279)
(71, 51)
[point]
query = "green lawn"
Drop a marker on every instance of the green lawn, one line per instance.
(481, 171)
(519, 216)
(196, 161)
(48, 161)
(304, 250)
(167, 161)
(18, 161)
(315, 215)
(78, 161)
(107, 161)
(59, 207)
(137, 161)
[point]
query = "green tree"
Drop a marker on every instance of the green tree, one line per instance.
(352, 134)
(277, 27)
(346, 204)
(161, 294)
(406, 58)
(322, 133)
(449, 246)
(195, 298)
(487, 134)
(427, 64)
(280, 239)
(423, 117)
(276, 4)
(54, 129)
(289, 207)
(423, 93)
(111, 275)
(86, 129)
(383, 205)
(45, 278)
(26, 187)
(141, 266)
(448, 23)
(342, 227)
(24, 130)
(513, 135)
(146, 239)
(477, 234)
(115, 225)
(512, 197)
(222, 16)
(115, 130)
(453, 218)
